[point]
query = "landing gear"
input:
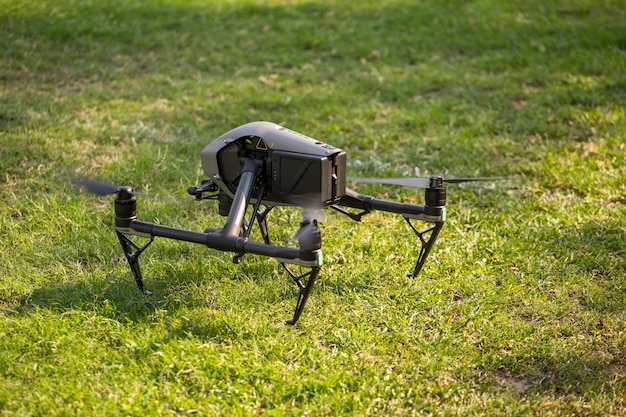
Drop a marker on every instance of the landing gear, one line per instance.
(233, 237)
(132, 252)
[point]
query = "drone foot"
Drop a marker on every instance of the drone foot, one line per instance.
(132, 252)
(304, 290)
(427, 243)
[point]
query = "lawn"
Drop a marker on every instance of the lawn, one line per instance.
(520, 309)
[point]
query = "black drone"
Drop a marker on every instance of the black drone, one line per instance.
(264, 165)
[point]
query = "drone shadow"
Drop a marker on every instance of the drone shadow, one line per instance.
(124, 304)
(198, 288)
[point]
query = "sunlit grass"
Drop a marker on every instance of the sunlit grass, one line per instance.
(519, 310)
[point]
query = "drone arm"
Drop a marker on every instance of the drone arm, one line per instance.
(368, 203)
(220, 241)
(309, 255)
(433, 212)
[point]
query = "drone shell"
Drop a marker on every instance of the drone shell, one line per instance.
(275, 137)
(280, 148)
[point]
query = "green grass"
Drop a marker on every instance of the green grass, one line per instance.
(521, 309)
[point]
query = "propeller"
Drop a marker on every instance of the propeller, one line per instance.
(98, 188)
(417, 182)
(101, 188)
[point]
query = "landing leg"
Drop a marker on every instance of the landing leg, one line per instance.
(262, 220)
(304, 290)
(427, 244)
(132, 252)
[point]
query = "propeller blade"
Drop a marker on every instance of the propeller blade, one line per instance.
(416, 182)
(474, 179)
(405, 182)
(101, 188)
(316, 214)
(98, 187)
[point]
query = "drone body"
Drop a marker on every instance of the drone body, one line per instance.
(262, 165)
(296, 168)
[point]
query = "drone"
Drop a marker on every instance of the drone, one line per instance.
(263, 165)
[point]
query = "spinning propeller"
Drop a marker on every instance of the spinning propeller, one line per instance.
(102, 189)
(417, 182)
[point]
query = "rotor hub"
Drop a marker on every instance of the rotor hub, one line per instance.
(125, 207)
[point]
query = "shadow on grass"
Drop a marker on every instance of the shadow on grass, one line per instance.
(365, 76)
(133, 47)
(598, 250)
(124, 304)
(222, 301)
(582, 351)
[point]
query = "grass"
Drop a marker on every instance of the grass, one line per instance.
(520, 309)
